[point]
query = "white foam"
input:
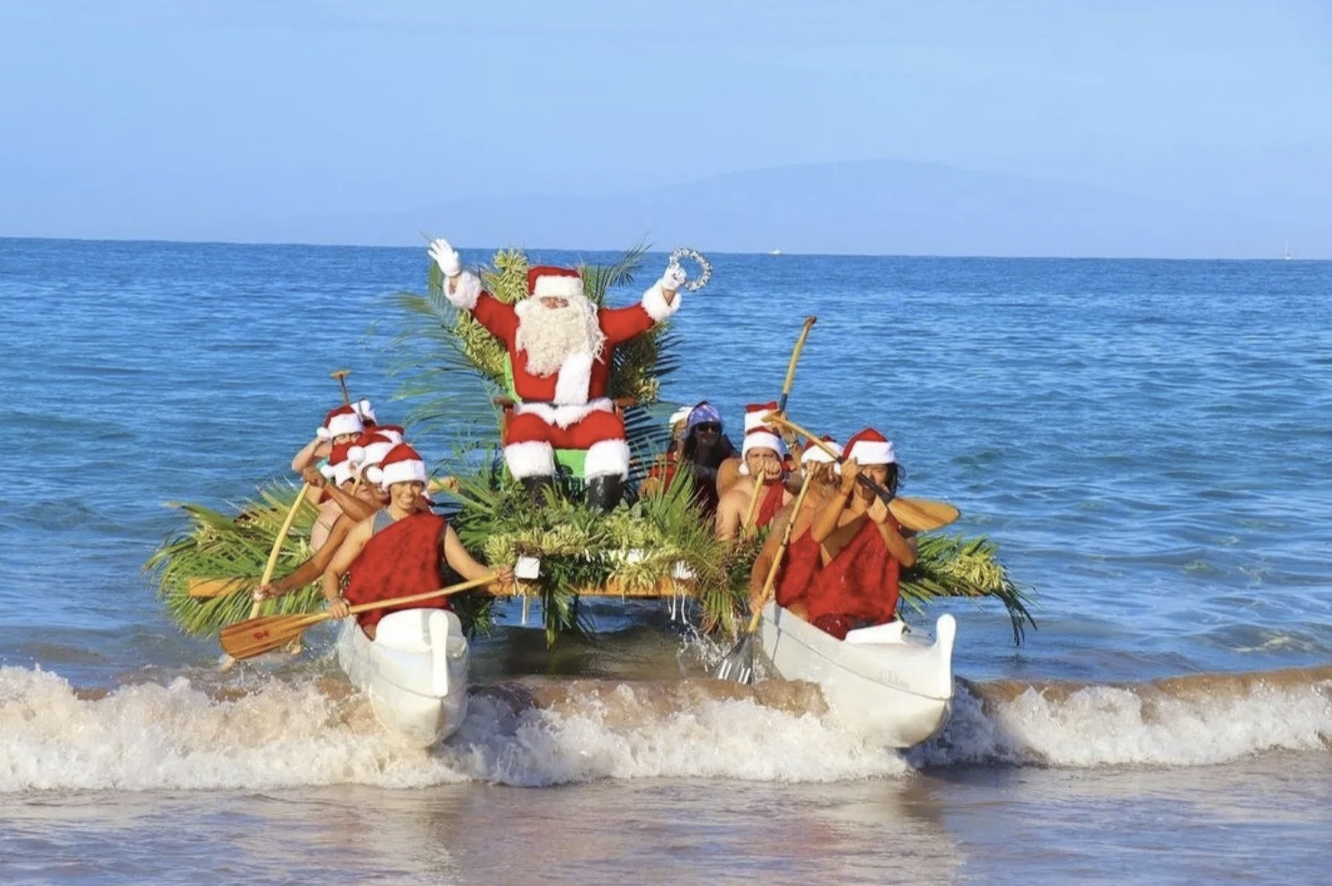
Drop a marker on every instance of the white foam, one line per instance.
(150, 736)
(1108, 725)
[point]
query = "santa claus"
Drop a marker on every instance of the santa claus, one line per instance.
(561, 346)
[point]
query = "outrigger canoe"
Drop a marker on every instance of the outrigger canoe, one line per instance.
(882, 681)
(414, 672)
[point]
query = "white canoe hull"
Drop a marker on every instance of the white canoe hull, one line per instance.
(414, 672)
(881, 680)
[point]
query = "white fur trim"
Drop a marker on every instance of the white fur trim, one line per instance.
(364, 410)
(574, 378)
(867, 453)
(343, 471)
(530, 459)
(552, 286)
(564, 416)
(755, 419)
(816, 454)
(606, 457)
(374, 453)
(468, 291)
(762, 440)
(654, 302)
(402, 472)
(327, 471)
(346, 423)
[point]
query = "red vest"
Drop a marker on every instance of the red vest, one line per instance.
(800, 569)
(402, 559)
(860, 583)
(771, 504)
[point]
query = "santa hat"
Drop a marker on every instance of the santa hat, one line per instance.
(365, 411)
(401, 465)
(370, 450)
(756, 412)
(813, 452)
(393, 432)
(762, 437)
(339, 468)
(339, 422)
(545, 281)
(869, 447)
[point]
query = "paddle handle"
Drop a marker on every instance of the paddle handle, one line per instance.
(753, 506)
(795, 358)
(775, 418)
(341, 376)
(303, 622)
(271, 566)
(773, 568)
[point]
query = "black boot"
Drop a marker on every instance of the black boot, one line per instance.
(604, 492)
(536, 487)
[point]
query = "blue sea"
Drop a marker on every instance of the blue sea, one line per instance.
(1147, 442)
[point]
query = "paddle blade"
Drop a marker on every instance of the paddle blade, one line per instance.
(217, 587)
(923, 514)
(737, 665)
(255, 636)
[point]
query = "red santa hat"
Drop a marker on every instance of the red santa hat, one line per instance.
(370, 450)
(762, 438)
(869, 447)
(756, 412)
(401, 465)
(339, 468)
(813, 452)
(545, 281)
(393, 432)
(339, 422)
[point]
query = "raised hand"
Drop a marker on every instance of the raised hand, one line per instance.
(445, 257)
(673, 279)
(850, 471)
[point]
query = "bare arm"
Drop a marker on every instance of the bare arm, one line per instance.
(313, 568)
(355, 508)
(309, 454)
(903, 551)
(459, 560)
(346, 555)
(729, 513)
(830, 512)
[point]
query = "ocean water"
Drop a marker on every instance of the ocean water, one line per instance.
(1148, 442)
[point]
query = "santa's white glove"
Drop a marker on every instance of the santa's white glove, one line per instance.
(445, 256)
(673, 279)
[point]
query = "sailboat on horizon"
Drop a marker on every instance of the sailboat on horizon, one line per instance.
(1286, 252)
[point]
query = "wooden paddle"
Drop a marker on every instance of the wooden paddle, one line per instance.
(341, 376)
(273, 555)
(753, 506)
(916, 514)
(255, 636)
(217, 587)
(795, 358)
(738, 664)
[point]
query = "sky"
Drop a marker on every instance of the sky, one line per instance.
(328, 120)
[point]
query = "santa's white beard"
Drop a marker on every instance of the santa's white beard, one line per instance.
(549, 335)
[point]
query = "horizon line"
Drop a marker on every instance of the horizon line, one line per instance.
(781, 254)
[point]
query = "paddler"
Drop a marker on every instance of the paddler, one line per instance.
(342, 425)
(803, 560)
(369, 451)
(763, 457)
(864, 547)
(400, 550)
(340, 493)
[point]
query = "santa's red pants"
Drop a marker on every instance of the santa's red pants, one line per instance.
(531, 438)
